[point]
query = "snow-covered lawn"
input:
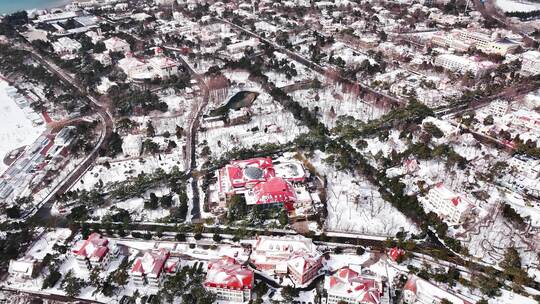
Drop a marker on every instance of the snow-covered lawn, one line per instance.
(517, 5)
(355, 205)
(122, 170)
(16, 129)
(269, 123)
(333, 101)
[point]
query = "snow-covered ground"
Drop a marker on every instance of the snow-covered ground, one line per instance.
(123, 169)
(517, 5)
(355, 205)
(269, 123)
(333, 101)
(16, 129)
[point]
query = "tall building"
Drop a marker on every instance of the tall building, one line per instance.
(462, 64)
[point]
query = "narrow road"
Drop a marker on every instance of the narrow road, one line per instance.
(191, 136)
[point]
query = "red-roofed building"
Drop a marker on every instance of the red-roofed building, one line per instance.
(351, 286)
(275, 190)
(395, 253)
(417, 290)
(229, 280)
(95, 251)
(260, 181)
(152, 266)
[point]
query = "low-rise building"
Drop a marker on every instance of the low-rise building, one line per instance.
(525, 165)
(103, 58)
(261, 182)
(115, 44)
(229, 280)
(530, 64)
(462, 64)
(151, 268)
(22, 269)
(164, 2)
(135, 68)
(132, 145)
(527, 120)
(95, 251)
(449, 206)
(353, 286)
(163, 66)
(66, 46)
(296, 256)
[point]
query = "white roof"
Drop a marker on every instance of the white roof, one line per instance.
(24, 266)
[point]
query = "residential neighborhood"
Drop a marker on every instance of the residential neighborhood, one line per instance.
(268, 151)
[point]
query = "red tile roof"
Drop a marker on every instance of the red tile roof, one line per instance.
(351, 284)
(151, 263)
(275, 190)
(95, 247)
(228, 273)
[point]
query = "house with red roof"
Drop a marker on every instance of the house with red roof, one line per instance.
(420, 291)
(151, 268)
(450, 207)
(95, 251)
(261, 182)
(396, 253)
(354, 286)
(295, 256)
(229, 280)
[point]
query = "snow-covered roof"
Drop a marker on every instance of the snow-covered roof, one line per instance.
(228, 273)
(163, 62)
(115, 43)
(458, 201)
(23, 266)
(351, 284)
(152, 264)
(94, 248)
(274, 190)
(272, 249)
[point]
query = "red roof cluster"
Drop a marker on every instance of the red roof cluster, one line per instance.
(245, 173)
(351, 284)
(275, 190)
(95, 247)
(228, 273)
(258, 177)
